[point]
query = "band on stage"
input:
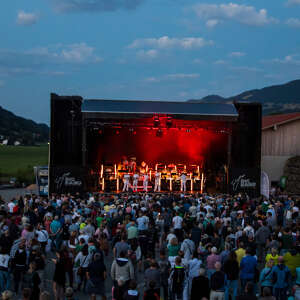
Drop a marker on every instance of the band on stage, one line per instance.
(132, 177)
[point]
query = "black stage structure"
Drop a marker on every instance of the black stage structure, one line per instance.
(89, 137)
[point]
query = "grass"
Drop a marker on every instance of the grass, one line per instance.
(18, 161)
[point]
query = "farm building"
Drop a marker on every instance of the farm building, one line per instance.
(280, 142)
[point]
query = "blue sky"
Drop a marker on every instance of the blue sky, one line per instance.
(143, 49)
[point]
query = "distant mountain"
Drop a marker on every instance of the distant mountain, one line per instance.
(27, 132)
(283, 98)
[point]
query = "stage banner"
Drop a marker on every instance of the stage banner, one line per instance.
(264, 185)
(67, 180)
(245, 180)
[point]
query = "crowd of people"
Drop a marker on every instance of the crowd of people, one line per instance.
(150, 246)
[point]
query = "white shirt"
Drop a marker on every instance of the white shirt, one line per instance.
(11, 206)
(183, 177)
(85, 237)
(42, 235)
(136, 176)
(84, 261)
(4, 259)
(126, 177)
(170, 236)
(177, 221)
(157, 176)
(146, 177)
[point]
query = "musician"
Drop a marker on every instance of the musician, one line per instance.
(125, 163)
(126, 180)
(157, 182)
(183, 182)
(145, 182)
(136, 177)
(132, 164)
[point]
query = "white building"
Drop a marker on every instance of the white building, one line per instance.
(280, 141)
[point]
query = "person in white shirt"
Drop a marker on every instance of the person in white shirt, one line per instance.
(145, 182)
(177, 221)
(11, 206)
(135, 182)
(126, 182)
(42, 236)
(183, 182)
(157, 182)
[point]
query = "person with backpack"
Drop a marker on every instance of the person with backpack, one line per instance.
(132, 293)
(281, 277)
(217, 283)
(177, 280)
(32, 280)
(265, 278)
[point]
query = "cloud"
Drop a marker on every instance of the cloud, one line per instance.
(212, 23)
(292, 59)
(293, 22)
(46, 60)
(166, 42)
(182, 76)
(237, 54)
(147, 54)
(26, 19)
(246, 69)
(78, 53)
(67, 6)
(293, 2)
(175, 76)
(220, 62)
(247, 15)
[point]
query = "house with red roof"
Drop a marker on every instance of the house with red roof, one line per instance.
(280, 141)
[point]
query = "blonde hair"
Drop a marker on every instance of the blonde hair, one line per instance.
(174, 241)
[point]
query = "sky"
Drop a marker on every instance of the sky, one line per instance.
(143, 49)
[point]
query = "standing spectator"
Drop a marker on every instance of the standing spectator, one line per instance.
(177, 224)
(231, 269)
(4, 274)
(152, 274)
(266, 275)
(200, 286)
(188, 247)
(59, 277)
(82, 261)
(177, 280)
(261, 236)
(248, 269)
(96, 276)
(122, 269)
(217, 283)
(164, 267)
(32, 280)
(281, 277)
(211, 261)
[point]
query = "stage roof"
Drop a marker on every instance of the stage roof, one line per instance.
(159, 107)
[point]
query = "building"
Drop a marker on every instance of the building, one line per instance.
(280, 141)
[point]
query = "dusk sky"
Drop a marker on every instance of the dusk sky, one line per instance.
(143, 49)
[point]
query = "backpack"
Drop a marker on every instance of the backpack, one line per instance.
(178, 277)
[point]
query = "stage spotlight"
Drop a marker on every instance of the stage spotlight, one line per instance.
(159, 133)
(156, 121)
(169, 122)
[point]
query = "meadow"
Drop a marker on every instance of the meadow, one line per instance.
(18, 161)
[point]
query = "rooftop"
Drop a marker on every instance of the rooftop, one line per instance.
(270, 121)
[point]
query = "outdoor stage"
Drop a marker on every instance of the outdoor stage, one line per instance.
(106, 142)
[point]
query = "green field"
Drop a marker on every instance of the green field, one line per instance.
(18, 161)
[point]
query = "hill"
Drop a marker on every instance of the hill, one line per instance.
(27, 132)
(282, 98)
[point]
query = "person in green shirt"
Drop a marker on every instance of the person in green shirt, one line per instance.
(99, 220)
(132, 231)
(292, 260)
(173, 248)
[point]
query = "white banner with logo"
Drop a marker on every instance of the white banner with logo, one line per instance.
(265, 185)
